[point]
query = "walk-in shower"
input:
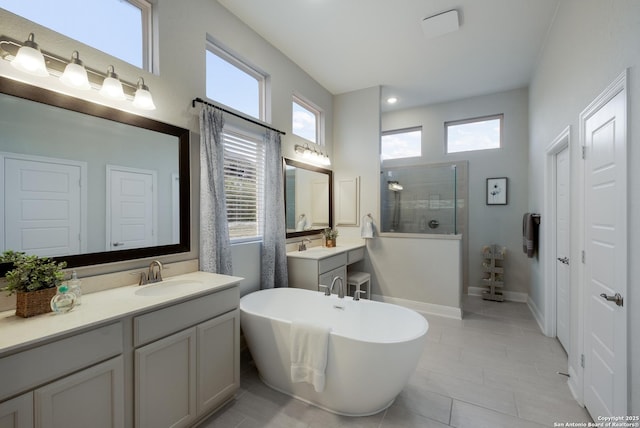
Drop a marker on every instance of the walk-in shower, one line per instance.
(427, 199)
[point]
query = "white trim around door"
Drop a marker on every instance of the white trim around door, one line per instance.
(560, 143)
(599, 370)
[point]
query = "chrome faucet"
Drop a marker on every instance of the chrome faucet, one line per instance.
(153, 275)
(303, 246)
(340, 289)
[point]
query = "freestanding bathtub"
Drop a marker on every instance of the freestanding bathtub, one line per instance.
(373, 348)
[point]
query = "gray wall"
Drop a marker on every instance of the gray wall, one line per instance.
(486, 224)
(182, 28)
(590, 44)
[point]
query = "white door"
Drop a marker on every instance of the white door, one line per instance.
(42, 205)
(605, 335)
(131, 208)
(563, 248)
(319, 204)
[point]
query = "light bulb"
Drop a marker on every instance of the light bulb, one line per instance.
(75, 75)
(29, 58)
(111, 87)
(143, 99)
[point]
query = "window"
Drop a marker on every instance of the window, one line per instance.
(121, 28)
(233, 83)
(481, 133)
(401, 143)
(306, 120)
(243, 183)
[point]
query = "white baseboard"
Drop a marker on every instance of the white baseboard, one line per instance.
(536, 314)
(422, 307)
(574, 385)
(511, 296)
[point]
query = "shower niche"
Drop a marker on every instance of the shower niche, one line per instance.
(424, 199)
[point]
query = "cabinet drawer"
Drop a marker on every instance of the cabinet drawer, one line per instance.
(31, 368)
(333, 262)
(355, 255)
(163, 322)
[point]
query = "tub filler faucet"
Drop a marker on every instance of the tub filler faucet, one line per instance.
(340, 289)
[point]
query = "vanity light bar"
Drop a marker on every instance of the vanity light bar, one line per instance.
(312, 155)
(56, 66)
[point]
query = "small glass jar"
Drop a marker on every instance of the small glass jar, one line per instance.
(63, 301)
(74, 287)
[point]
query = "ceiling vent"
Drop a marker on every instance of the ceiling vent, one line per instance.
(442, 23)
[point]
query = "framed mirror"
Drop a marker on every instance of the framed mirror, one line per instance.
(89, 184)
(308, 195)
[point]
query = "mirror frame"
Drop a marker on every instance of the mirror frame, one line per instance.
(45, 96)
(298, 164)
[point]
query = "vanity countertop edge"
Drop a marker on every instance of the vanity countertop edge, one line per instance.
(99, 308)
(319, 253)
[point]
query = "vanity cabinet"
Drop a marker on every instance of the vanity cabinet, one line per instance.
(93, 397)
(166, 381)
(308, 269)
(161, 362)
(188, 373)
(77, 381)
(17, 412)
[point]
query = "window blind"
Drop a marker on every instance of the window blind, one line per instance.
(244, 184)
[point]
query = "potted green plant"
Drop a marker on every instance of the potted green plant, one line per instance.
(34, 280)
(330, 236)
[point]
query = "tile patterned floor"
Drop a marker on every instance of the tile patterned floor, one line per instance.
(492, 369)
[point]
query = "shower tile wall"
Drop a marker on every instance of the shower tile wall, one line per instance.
(425, 203)
(427, 194)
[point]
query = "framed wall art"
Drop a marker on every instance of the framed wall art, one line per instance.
(497, 191)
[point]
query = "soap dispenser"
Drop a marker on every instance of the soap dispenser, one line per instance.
(74, 287)
(63, 301)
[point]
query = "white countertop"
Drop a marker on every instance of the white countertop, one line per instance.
(318, 253)
(102, 307)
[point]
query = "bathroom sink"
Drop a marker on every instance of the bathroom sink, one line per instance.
(170, 286)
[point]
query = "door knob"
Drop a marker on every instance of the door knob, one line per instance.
(617, 298)
(564, 260)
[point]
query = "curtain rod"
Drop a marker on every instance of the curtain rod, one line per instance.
(256, 122)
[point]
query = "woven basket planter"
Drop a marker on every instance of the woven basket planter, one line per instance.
(32, 303)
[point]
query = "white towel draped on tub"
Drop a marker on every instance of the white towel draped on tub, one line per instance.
(309, 346)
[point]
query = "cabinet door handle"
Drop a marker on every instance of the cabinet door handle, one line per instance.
(564, 260)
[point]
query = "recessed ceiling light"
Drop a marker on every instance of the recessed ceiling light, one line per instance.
(392, 100)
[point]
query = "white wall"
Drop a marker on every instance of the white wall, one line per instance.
(403, 268)
(182, 28)
(590, 44)
(486, 224)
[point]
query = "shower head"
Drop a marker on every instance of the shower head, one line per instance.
(394, 186)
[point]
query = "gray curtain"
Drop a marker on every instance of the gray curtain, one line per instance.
(215, 246)
(274, 253)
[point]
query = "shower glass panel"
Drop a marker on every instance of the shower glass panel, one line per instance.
(420, 199)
